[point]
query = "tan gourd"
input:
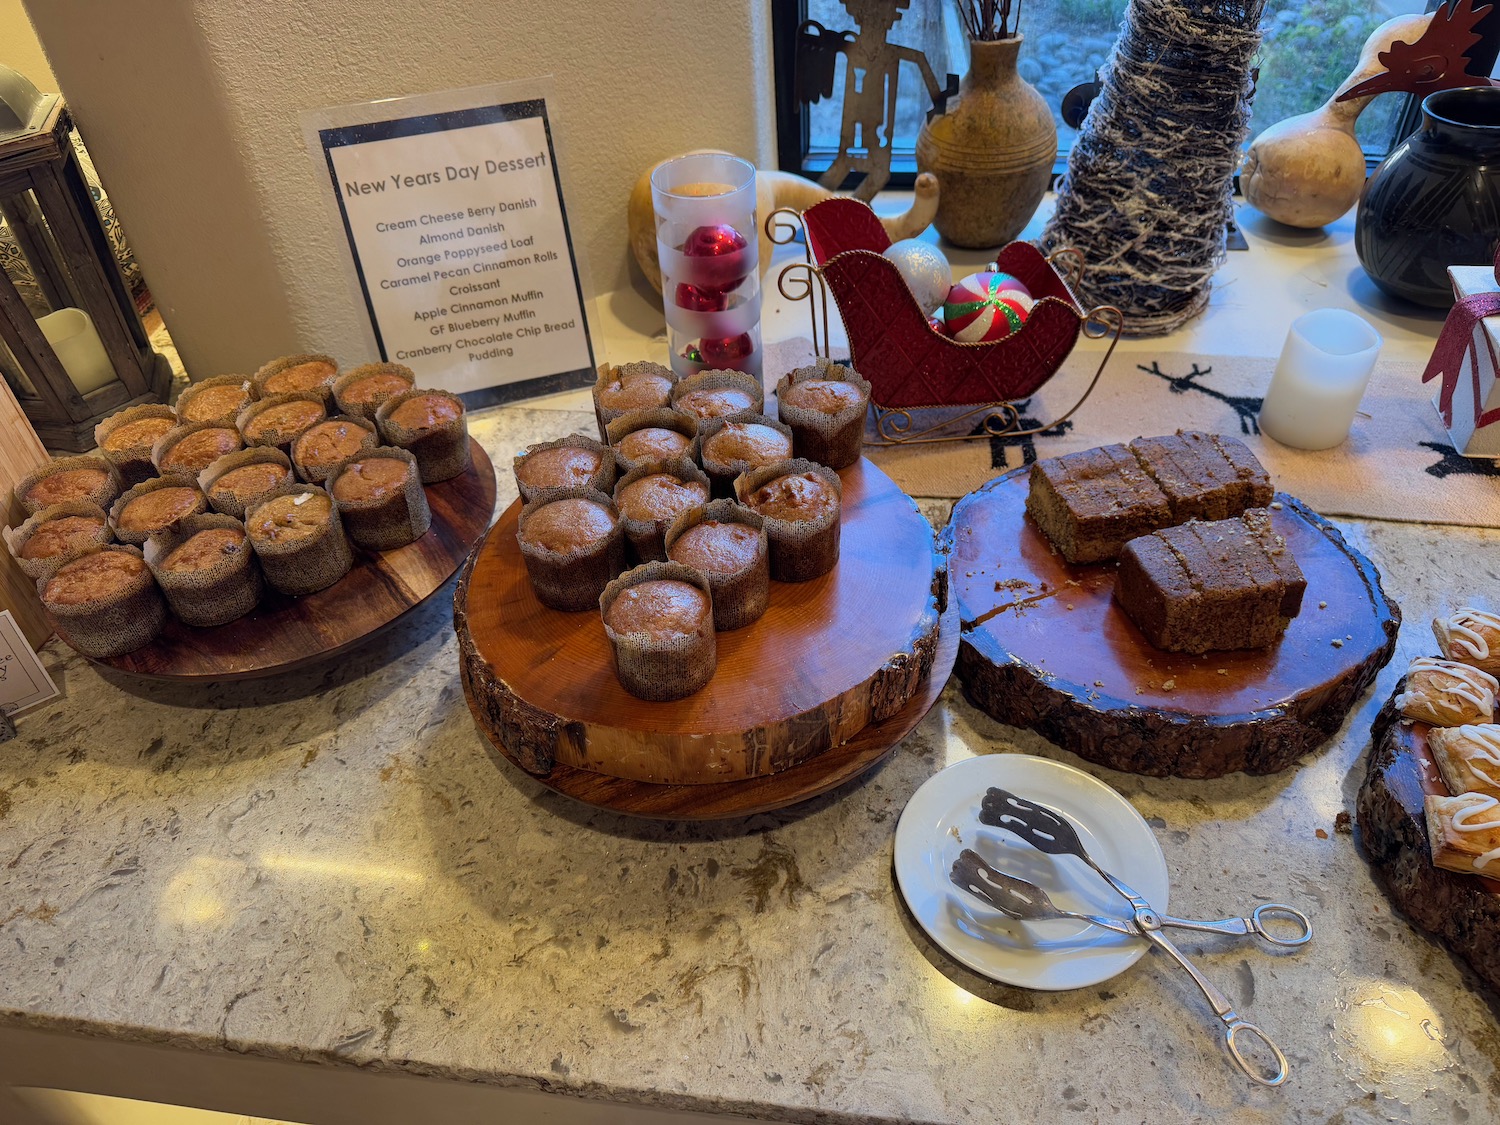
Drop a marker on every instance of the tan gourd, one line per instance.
(772, 190)
(1308, 170)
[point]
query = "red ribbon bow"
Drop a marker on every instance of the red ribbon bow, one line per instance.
(1453, 350)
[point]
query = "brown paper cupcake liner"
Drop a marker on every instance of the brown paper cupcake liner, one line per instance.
(835, 440)
(441, 452)
(109, 626)
(235, 504)
(713, 380)
(389, 521)
(169, 441)
(17, 538)
(277, 435)
(133, 461)
(572, 581)
(365, 407)
(724, 472)
(742, 596)
(800, 549)
(186, 410)
(105, 495)
(316, 472)
(603, 479)
(661, 669)
(647, 537)
(138, 537)
(215, 596)
(268, 371)
(608, 373)
(302, 566)
(663, 418)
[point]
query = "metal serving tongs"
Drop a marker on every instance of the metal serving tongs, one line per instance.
(1046, 831)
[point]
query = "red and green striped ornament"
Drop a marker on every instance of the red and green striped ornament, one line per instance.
(986, 306)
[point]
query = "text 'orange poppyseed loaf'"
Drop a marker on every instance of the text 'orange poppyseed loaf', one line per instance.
(1091, 503)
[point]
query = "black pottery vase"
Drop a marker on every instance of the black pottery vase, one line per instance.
(1434, 202)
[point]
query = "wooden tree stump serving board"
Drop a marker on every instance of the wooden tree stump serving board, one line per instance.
(828, 658)
(1462, 911)
(1045, 646)
(285, 633)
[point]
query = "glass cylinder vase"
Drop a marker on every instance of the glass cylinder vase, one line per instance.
(706, 243)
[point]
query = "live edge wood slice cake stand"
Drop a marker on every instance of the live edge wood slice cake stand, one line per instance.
(1045, 646)
(818, 690)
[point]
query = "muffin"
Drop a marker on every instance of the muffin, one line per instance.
(432, 425)
(659, 618)
(216, 399)
(241, 480)
(45, 541)
(206, 569)
(89, 478)
(645, 437)
(718, 394)
(727, 544)
(188, 449)
(127, 436)
(731, 446)
(632, 386)
(573, 544)
(104, 601)
(650, 497)
(279, 420)
(298, 374)
(299, 539)
(319, 451)
(571, 462)
(825, 405)
(154, 505)
(800, 502)
(380, 499)
(360, 391)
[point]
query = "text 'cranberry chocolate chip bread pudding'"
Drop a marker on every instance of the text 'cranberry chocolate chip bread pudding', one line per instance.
(659, 618)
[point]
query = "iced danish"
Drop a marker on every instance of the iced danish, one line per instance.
(1468, 757)
(1470, 636)
(659, 618)
(1446, 693)
(1463, 832)
(299, 539)
(727, 543)
(380, 499)
(206, 569)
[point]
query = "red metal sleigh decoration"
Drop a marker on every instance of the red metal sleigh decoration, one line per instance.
(912, 366)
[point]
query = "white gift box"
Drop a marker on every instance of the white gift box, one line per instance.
(1477, 393)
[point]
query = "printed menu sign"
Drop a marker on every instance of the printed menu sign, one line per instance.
(23, 681)
(461, 245)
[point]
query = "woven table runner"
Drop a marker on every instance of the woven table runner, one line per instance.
(1398, 464)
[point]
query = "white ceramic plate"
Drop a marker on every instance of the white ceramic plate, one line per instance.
(942, 818)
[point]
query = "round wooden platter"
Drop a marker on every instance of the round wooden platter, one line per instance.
(819, 688)
(283, 633)
(1044, 646)
(1462, 911)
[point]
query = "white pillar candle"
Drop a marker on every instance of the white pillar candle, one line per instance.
(75, 340)
(1324, 367)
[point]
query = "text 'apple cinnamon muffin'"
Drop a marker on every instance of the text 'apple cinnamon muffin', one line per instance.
(727, 543)
(188, 449)
(322, 449)
(736, 445)
(718, 394)
(127, 437)
(279, 420)
(800, 501)
(219, 398)
(104, 601)
(825, 404)
(659, 619)
(238, 481)
(88, 478)
(630, 386)
(361, 390)
(40, 545)
(297, 374)
(651, 497)
(153, 505)
(573, 544)
(644, 437)
(575, 461)
(206, 569)
(433, 426)
(299, 539)
(380, 499)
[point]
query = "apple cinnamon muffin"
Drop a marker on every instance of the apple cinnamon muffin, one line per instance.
(380, 499)
(299, 539)
(646, 437)
(104, 601)
(361, 390)
(319, 451)
(433, 426)
(732, 446)
(154, 505)
(219, 398)
(87, 477)
(237, 481)
(298, 374)
(127, 437)
(651, 497)
(718, 394)
(206, 569)
(659, 619)
(641, 385)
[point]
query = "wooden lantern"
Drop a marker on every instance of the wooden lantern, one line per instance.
(66, 388)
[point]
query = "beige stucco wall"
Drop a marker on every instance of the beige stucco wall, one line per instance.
(191, 112)
(19, 48)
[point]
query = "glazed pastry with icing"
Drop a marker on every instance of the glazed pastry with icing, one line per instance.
(1468, 757)
(1446, 693)
(1471, 636)
(1463, 832)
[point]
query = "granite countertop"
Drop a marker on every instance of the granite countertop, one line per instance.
(330, 867)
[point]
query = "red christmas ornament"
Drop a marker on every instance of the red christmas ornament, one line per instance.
(723, 247)
(701, 300)
(724, 352)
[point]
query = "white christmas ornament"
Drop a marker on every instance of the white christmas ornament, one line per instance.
(924, 269)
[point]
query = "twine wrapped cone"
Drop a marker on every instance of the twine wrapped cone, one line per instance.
(825, 428)
(362, 391)
(299, 563)
(669, 664)
(540, 472)
(109, 624)
(632, 386)
(643, 436)
(571, 579)
(37, 490)
(64, 530)
(388, 521)
(651, 496)
(216, 399)
(742, 592)
(209, 595)
(233, 496)
(801, 548)
(442, 451)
